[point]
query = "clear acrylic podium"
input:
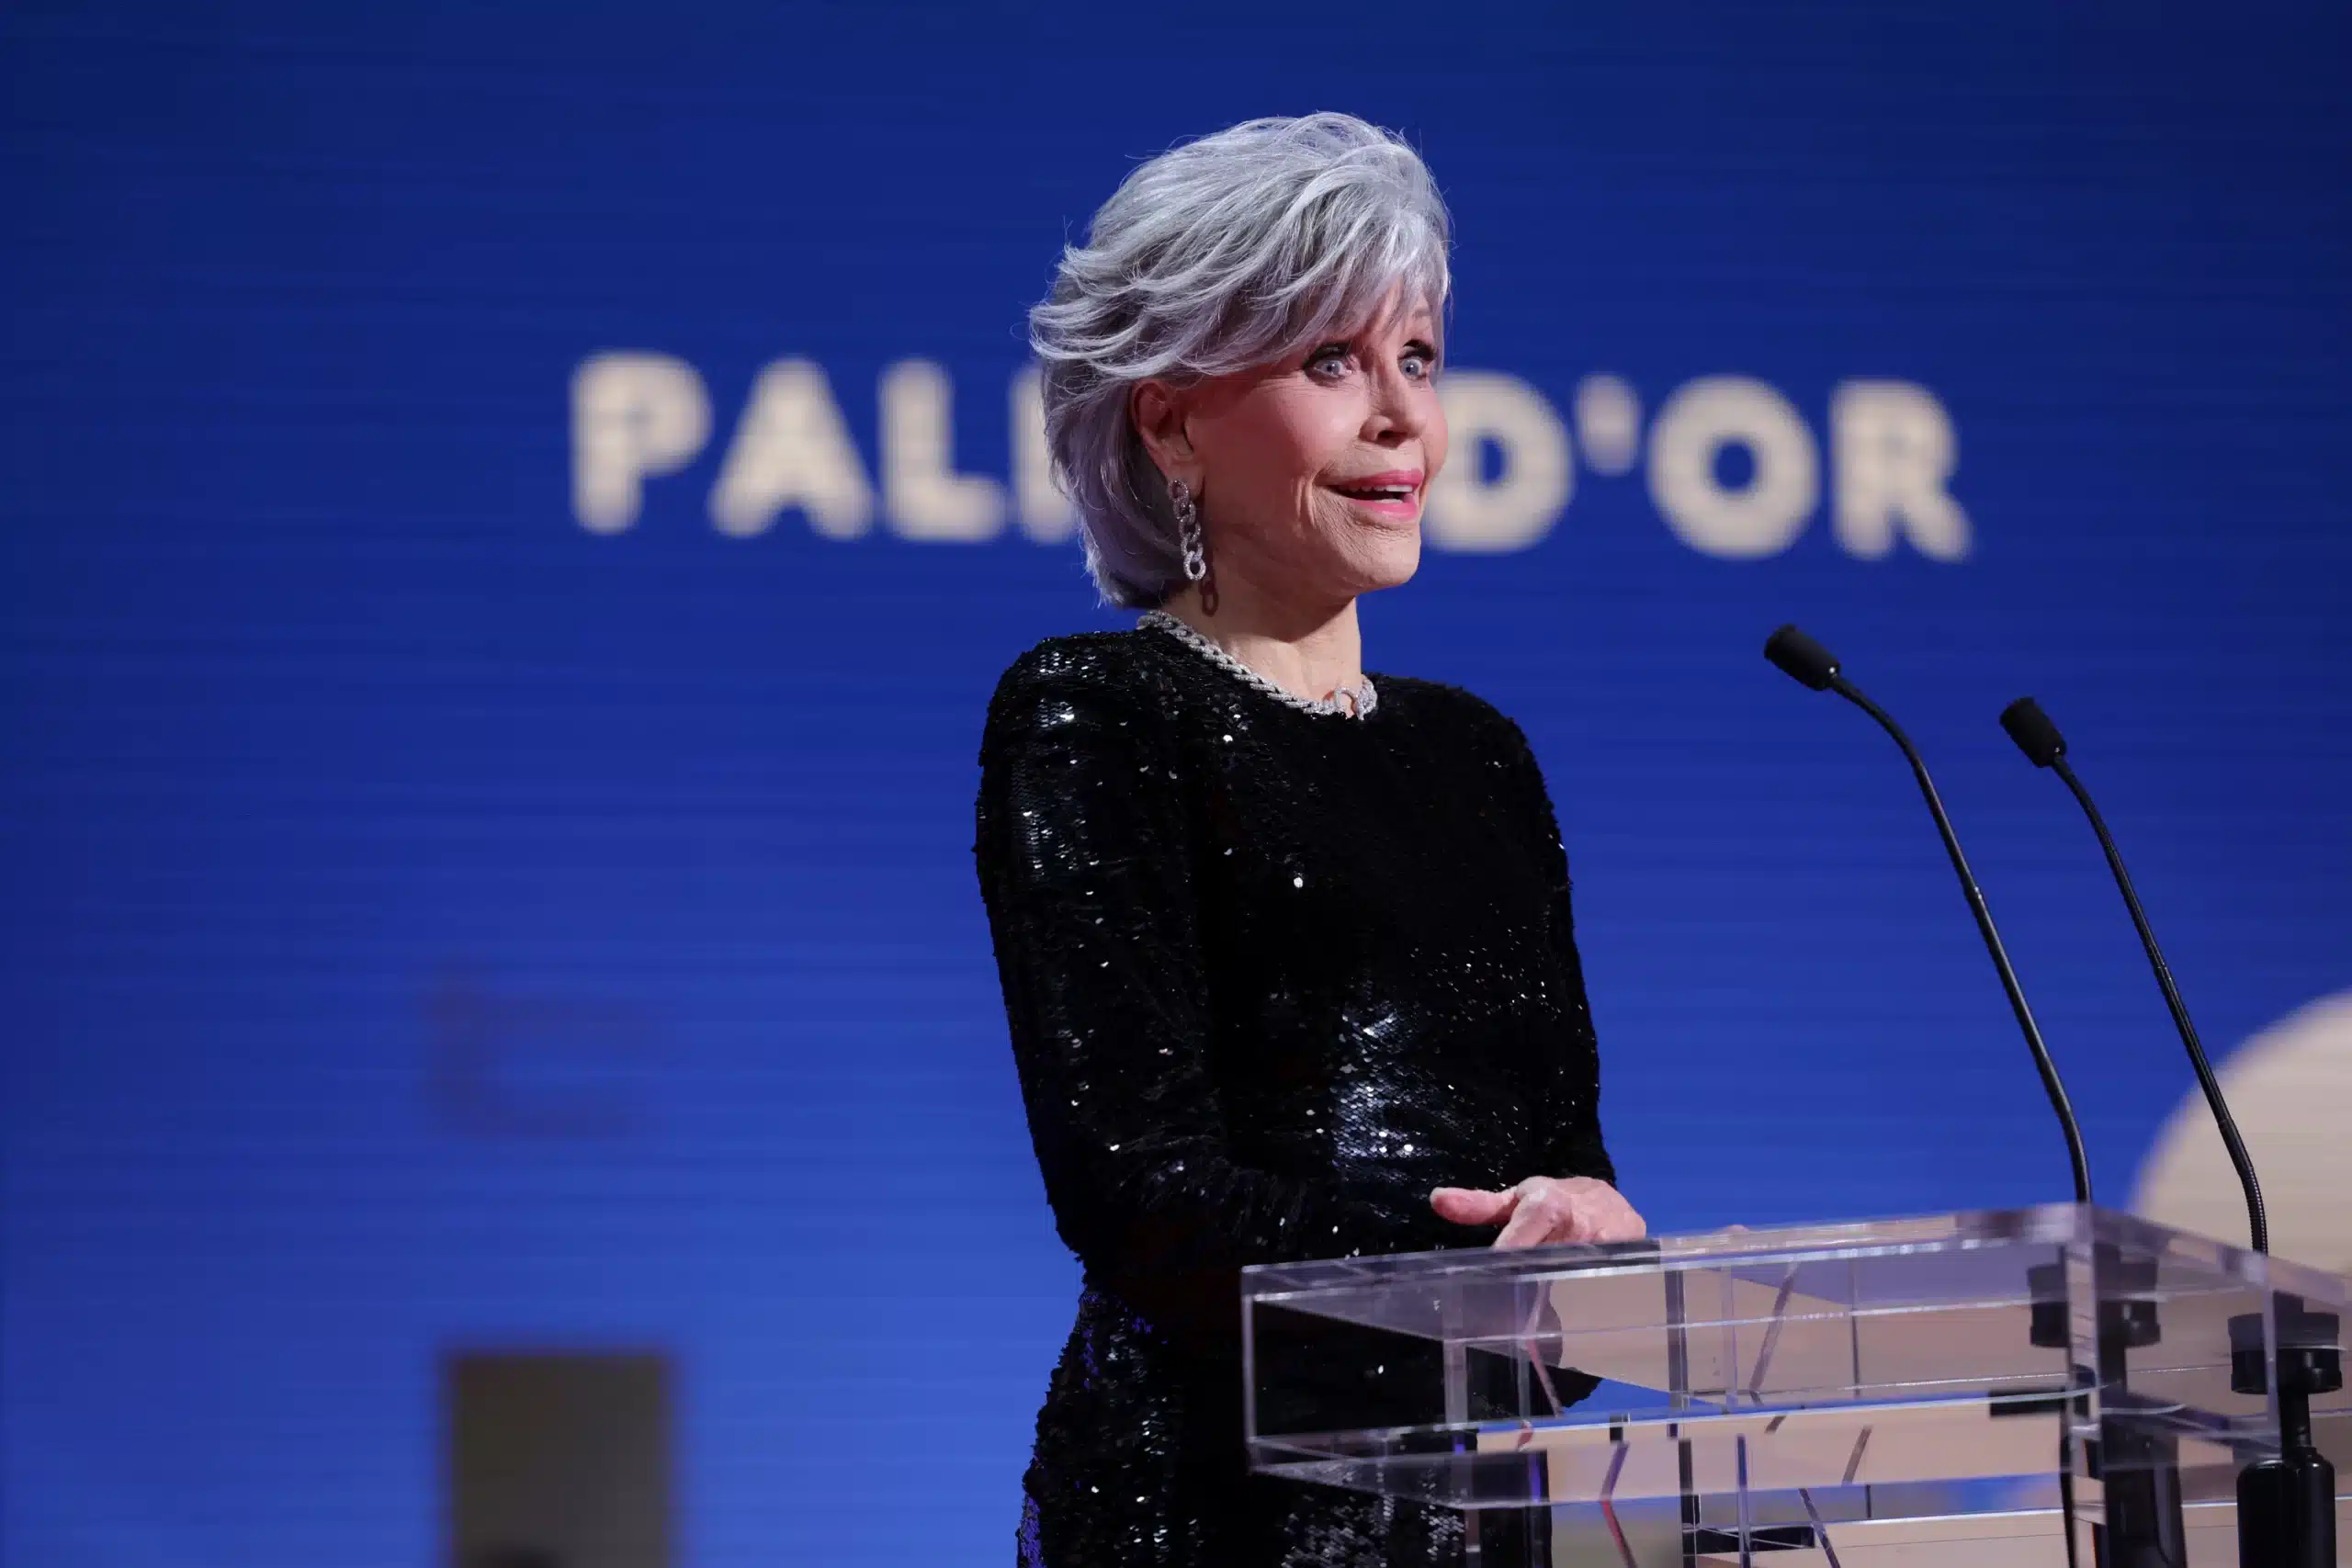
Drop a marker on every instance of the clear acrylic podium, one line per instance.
(2053, 1385)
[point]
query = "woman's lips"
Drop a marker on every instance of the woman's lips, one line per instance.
(1404, 506)
(1408, 508)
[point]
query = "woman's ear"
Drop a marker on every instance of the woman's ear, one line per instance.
(1157, 410)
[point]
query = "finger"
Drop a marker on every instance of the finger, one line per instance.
(1472, 1206)
(1538, 1221)
(1593, 1218)
(1605, 1216)
(1602, 1214)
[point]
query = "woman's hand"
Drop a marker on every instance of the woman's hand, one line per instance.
(1544, 1210)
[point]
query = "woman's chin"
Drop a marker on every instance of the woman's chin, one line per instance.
(1388, 560)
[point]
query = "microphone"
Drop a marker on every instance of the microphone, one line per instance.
(1810, 664)
(2286, 1502)
(2038, 739)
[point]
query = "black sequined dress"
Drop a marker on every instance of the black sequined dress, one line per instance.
(1272, 975)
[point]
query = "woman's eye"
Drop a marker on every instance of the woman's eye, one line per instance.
(1323, 361)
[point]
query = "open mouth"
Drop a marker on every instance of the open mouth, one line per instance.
(1396, 491)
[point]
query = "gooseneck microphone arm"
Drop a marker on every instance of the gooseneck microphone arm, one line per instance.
(1813, 665)
(2287, 1500)
(2038, 739)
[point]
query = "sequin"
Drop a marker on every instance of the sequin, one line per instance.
(1271, 976)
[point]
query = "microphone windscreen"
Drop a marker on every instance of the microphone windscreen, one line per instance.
(1801, 658)
(2032, 729)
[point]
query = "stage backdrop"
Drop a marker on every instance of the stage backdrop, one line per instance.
(513, 515)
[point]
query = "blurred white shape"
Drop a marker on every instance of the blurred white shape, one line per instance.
(926, 498)
(1470, 513)
(1609, 423)
(791, 448)
(1763, 517)
(1893, 448)
(632, 415)
(1046, 514)
(2291, 1088)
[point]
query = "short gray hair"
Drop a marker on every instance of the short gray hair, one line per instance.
(1217, 255)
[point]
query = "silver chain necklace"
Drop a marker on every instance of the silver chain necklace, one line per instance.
(1345, 702)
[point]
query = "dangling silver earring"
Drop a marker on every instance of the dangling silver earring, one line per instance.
(1193, 540)
(1189, 538)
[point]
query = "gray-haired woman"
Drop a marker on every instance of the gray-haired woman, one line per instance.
(1286, 947)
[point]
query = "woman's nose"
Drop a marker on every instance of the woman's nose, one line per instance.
(1393, 418)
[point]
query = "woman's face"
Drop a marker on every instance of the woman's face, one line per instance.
(1311, 472)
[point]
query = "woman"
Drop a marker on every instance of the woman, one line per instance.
(1286, 947)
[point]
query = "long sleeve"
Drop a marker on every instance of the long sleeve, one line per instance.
(1271, 976)
(1571, 1080)
(1085, 865)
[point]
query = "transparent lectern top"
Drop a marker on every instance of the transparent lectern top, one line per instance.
(1988, 1349)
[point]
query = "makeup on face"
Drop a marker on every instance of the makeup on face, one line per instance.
(1393, 492)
